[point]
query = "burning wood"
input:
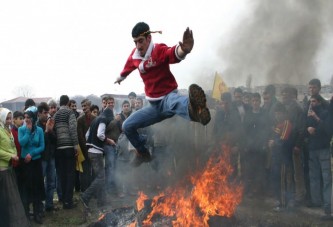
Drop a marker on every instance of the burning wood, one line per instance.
(212, 193)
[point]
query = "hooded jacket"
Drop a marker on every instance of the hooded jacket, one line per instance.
(7, 145)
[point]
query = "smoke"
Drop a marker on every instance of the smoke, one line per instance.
(179, 150)
(278, 42)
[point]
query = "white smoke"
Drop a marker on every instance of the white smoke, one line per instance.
(278, 43)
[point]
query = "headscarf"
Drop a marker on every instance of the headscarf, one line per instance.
(3, 116)
(32, 113)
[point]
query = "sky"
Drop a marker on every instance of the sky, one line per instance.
(51, 48)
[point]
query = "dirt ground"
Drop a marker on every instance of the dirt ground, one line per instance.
(251, 212)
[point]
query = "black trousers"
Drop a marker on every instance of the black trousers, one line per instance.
(66, 170)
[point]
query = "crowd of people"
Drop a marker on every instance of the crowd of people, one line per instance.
(281, 147)
(53, 150)
(50, 141)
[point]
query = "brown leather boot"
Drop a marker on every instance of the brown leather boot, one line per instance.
(197, 107)
(141, 157)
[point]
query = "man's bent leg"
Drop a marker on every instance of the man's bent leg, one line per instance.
(140, 119)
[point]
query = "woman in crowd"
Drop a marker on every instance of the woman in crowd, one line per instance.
(11, 208)
(31, 138)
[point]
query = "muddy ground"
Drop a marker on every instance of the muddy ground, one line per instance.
(251, 212)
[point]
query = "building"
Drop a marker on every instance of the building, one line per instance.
(18, 103)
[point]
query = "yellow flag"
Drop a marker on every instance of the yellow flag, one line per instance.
(219, 87)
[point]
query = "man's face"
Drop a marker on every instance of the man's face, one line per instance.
(138, 104)
(313, 89)
(126, 108)
(256, 103)
(43, 116)
(110, 104)
(142, 44)
(314, 102)
(85, 107)
(94, 112)
(73, 106)
(103, 103)
(132, 100)
(238, 97)
(52, 110)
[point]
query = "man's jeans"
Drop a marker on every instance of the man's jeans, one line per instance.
(97, 186)
(320, 168)
(86, 176)
(110, 165)
(172, 104)
(49, 174)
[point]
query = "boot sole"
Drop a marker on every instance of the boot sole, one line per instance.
(198, 102)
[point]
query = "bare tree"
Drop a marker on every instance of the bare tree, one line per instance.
(24, 91)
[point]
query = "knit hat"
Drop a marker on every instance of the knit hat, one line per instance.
(142, 29)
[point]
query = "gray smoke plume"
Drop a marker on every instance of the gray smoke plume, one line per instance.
(278, 43)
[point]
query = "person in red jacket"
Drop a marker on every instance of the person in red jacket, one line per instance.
(153, 62)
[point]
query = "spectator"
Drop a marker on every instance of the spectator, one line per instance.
(67, 144)
(94, 109)
(11, 208)
(31, 139)
(96, 139)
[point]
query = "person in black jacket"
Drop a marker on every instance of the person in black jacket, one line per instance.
(319, 132)
(95, 142)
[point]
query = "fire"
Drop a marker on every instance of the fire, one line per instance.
(212, 193)
(101, 217)
(140, 201)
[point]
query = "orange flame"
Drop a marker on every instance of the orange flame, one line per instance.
(212, 193)
(101, 217)
(140, 201)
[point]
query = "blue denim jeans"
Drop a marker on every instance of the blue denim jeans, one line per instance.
(172, 104)
(49, 174)
(321, 178)
(110, 165)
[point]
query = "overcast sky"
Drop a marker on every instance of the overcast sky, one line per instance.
(80, 47)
